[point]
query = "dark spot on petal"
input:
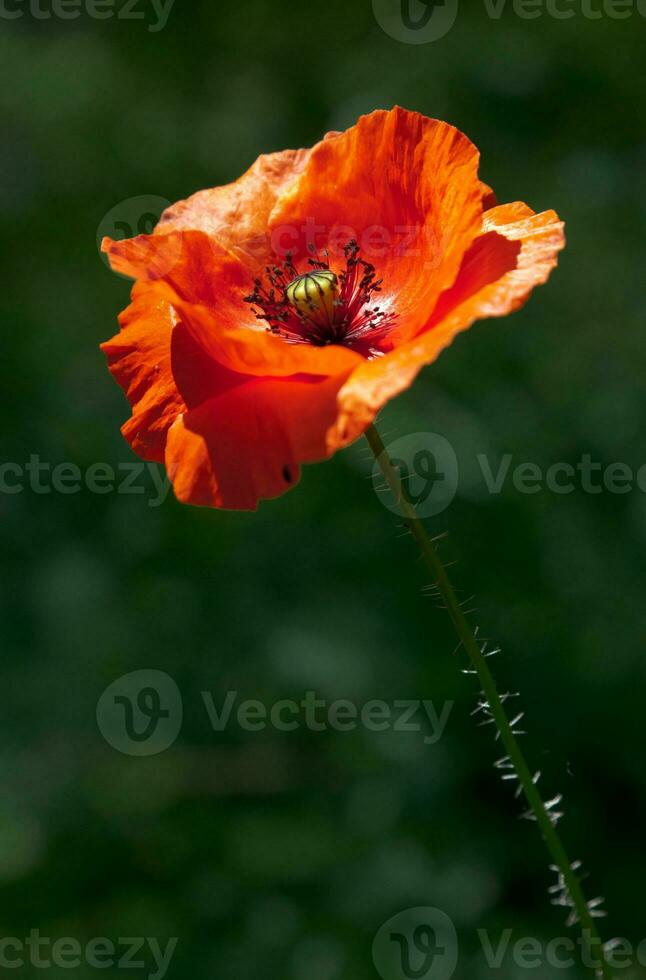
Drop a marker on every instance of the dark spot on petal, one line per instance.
(287, 475)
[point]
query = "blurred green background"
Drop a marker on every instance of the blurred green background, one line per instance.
(281, 854)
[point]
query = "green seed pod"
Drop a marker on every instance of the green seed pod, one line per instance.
(314, 295)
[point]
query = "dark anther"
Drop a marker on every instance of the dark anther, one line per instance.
(323, 305)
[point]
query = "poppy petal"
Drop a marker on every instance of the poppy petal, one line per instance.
(139, 360)
(247, 444)
(516, 251)
(237, 214)
(489, 199)
(183, 260)
(198, 377)
(258, 352)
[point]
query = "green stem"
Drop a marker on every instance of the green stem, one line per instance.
(496, 709)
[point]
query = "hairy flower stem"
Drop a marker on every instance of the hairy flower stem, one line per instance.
(473, 648)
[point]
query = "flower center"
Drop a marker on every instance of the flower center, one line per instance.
(321, 306)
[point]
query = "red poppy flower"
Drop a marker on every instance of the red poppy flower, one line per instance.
(273, 318)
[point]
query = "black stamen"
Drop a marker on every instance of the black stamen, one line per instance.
(352, 319)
